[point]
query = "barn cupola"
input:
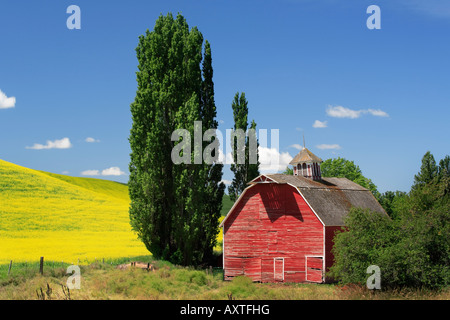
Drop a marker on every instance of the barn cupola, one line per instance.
(307, 164)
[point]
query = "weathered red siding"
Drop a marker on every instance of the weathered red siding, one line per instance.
(269, 234)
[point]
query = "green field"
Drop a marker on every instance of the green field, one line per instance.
(226, 205)
(104, 281)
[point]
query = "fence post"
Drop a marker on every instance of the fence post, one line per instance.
(41, 266)
(10, 264)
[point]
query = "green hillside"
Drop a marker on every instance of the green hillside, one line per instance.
(226, 204)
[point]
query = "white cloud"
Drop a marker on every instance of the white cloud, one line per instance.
(6, 102)
(271, 160)
(91, 140)
(296, 146)
(329, 146)
(226, 182)
(90, 173)
(225, 158)
(378, 113)
(64, 143)
(65, 172)
(342, 112)
(113, 171)
(319, 124)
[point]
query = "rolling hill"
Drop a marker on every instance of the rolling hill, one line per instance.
(65, 218)
(62, 218)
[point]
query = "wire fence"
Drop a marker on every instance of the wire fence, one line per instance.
(58, 268)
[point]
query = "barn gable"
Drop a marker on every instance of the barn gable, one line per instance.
(268, 234)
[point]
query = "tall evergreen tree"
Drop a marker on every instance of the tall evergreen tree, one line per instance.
(444, 167)
(172, 212)
(428, 171)
(245, 167)
(214, 189)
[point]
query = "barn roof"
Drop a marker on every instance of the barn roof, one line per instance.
(305, 156)
(330, 198)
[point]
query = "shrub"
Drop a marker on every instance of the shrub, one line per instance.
(411, 251)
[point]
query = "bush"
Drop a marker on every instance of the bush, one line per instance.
(411, 251)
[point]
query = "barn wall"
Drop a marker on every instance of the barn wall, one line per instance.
(269, 234)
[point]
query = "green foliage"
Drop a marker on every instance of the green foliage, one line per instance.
(428, 171)
(226, 204)
(289, 171)
(413, 248)
(358, 248)
(342, 168)
(243, 172)
(392, 202)
(175, 208)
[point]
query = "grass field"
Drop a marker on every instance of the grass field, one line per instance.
(104, 281)
(226, 205)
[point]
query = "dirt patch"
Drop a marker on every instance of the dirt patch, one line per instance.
(137, 264)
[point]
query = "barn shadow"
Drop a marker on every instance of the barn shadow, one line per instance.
(278, 201)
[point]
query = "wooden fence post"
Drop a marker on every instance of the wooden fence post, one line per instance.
(10, 265)
(41, 266)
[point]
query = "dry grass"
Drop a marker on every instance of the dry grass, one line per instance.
(103, 281)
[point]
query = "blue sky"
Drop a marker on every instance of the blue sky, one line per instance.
(381, 97)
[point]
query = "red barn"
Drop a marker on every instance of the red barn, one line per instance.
(281, 227)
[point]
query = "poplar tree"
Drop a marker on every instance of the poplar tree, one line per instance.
(246, 171)
(174, 207)
(428, 171)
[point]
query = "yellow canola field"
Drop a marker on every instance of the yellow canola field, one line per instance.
(63, 218)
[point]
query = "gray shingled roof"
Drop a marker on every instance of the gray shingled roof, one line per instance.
(305, 156)
(331, 198)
